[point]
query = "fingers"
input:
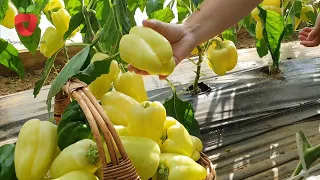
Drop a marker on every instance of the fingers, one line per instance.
(156, 25)
(313, 43)
(137, 71)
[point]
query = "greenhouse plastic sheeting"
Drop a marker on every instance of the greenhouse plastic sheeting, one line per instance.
(245, 118)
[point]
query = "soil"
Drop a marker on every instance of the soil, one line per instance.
(13, 84)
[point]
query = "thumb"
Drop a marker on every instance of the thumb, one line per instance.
(156, 25)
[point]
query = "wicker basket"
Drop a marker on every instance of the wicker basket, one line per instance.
(117, 169)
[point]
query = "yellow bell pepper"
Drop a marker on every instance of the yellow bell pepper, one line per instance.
(80, 156)
(197, 148)
(223, 56)
(102, 84)
(51, 42)
(276, 3)
(131, 84)
(147, 120)
(118, 107)
(53, 4)
(36, 147)
(175, 138)
(177, 167)
(304, 10)
(78, 175)
(61, 20)
(297, 21)
(8, 20)
(259, 30)
(147, 50)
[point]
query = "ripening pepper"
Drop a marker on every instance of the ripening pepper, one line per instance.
(147, 120)
(223, 56)
(259, 30)
(118, 107)
(36, 146)
(175, 138)
(131, 84)
(78, 175)
(53, 4)
(51, 42)
(102, 84)
(176, 167)
(197, 148)
(147, 50)
(255, 11)
(8, 20)
(61, 20)
(80, 156)
(304, 10)
(7, 170)
(144, 154)
(276, 3)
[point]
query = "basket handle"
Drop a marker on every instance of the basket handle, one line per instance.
(97, 119)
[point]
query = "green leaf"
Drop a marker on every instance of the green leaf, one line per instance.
(248, 24)
(74, 6)
(183, 7)
(69, 70)
(31, 42)
(94, 70)
(75, 22)
(184, 113)
(122, 15)
(262, 48)
(3, 9)
(39, 6)
(9, 58)
(22, 3)
(273, 32)
(312, 16)
(47, 69)
(21, 10)
(112, 34)
(133, 4)
(30, 8)
(196, 3)
(153, 5)
(7, 169)
(164, 15)
(230, 34)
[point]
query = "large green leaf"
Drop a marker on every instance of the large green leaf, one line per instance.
(94, 70)
(7, 170)
(31, 42)
(3, 9)
(164, 15)
(75, 22)
(22, 3)
(184, 113)
(197, 3)
(74, 6)
(112, 34)
(69, 70)
(122, 15)
(9, 58)
(262, 48)
(153, 5)
(47, 69)
(39, 6)
(230, 34)
(273, 32)
(183, 7)
(312, 16)
(248, 24)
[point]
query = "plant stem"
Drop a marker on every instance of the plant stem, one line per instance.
(198, 73)
(122, 68)
(65, 51)
(171, 85)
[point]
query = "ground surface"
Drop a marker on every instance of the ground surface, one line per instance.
(13, 84)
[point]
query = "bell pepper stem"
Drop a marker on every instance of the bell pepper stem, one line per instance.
(218, 43)
(122, 68)
(198, 72)
(163, 172)
(171, 85)
(93, 155)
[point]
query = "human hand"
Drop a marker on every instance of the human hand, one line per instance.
(310, 37)
(179, 36)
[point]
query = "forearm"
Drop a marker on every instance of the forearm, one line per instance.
(215, 16)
